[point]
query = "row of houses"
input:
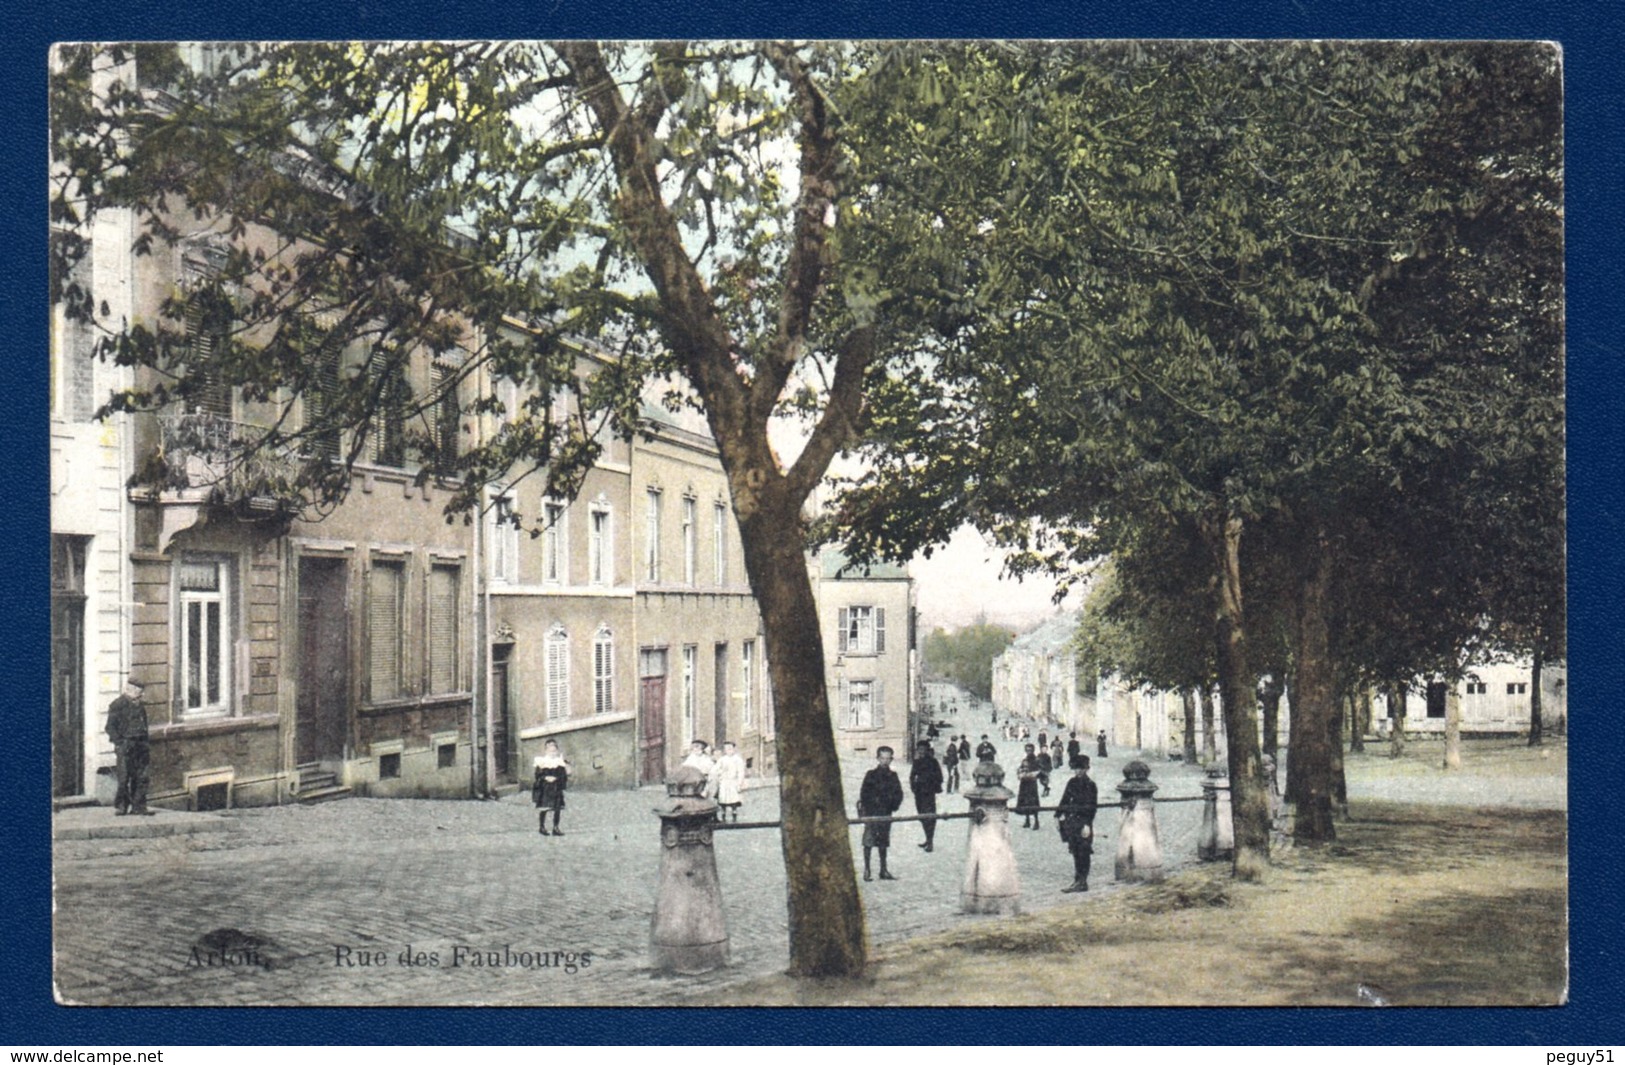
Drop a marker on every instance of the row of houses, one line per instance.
(1036, 678)
(380, 648)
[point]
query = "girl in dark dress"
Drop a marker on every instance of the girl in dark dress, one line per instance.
(547, 790)
(1027, 795)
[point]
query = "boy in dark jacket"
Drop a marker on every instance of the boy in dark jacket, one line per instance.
(1076, 816)
(880, 796)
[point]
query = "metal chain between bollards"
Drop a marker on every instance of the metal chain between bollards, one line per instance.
(973, 815)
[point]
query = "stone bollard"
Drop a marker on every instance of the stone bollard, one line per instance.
(687, 934)
(1139, 854)
(991, 882)
(1217, 838)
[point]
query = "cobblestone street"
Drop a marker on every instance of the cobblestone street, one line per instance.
(319, 905)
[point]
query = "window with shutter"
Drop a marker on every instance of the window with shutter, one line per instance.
(877, 710)
(603, 671)
(747, 681)
(843, 619)
(720, 514)
(651, 547)
(385, 585)
(447, 427)
(208, 321)
(554, 560)
(689, 518)
(880, 630)
(691, 655)
(443, 614)
(558, 673)
(388, 430)
(320, 397)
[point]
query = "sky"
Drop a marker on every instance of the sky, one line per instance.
(962, 580)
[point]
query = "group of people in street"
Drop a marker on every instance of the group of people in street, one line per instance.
(881, 796)
(724, 776)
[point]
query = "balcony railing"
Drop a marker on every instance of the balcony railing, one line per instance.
(204, 452)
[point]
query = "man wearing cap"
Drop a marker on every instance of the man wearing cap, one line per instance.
(127, 728)
(1075, 815)
(925, 781)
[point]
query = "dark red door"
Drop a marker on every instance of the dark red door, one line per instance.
(652, 716)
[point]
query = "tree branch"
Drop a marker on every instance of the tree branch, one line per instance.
(838, 425)
(803, 269)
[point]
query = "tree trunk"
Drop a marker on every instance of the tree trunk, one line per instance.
(1452, 728)
(827, 936)
(1249, 795)
(1210, 749)
(1359, 718)
(1396, 713)
(1340, 784)
(1188, 699)
(1270, 697)
(1534, 700)
(1314, 709)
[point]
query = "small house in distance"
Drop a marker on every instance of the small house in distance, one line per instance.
(871, 668)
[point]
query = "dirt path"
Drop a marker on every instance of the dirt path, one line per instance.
(1422, 905)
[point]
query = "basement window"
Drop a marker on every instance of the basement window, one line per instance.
(389, 766)
(447, 753)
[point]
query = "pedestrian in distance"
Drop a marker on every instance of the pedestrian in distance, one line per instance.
(547, 787)
(1056, 759)
(1073, 748)
(1043, 739)
(1100, 744)
(880, 796)
(1045, 764)
(950, 765)
(1075, 817)
(727, 782)
(1027, 789)
(127, 728)
(964, 748)
(985, 751)
(925, 781)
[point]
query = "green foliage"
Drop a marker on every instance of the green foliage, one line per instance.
(965, 655)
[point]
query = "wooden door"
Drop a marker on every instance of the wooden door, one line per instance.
(67, 665)
(322, 707)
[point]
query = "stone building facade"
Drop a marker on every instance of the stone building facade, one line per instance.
(867, 617)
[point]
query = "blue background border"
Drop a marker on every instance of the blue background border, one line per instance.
(1593, 56)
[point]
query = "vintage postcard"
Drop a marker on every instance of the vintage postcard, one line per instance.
(745, 523)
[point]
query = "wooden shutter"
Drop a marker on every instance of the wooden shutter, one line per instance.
(443, 655)
(446, 429)
(603, 672)
(384, 629)
(880, 630)
(203, 331)
(843, 700)
(843, 619)
(558, 674)
(320, 398)
(877, 708)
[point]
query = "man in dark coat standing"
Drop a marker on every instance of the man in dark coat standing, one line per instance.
(985, 751)
(880, 796)
(964, 748)
(925, 781)
(1073, 749)
(1075, 814)
(127, 728)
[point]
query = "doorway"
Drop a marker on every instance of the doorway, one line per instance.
(67, 665)
(502, 747)
(652, 715)
(321, 724)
